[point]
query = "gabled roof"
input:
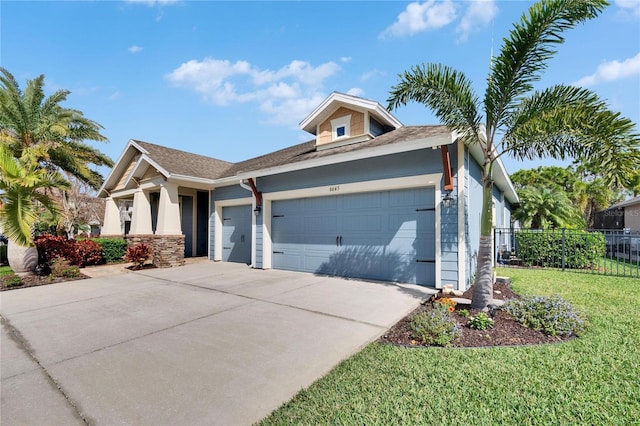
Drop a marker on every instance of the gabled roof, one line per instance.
(626, 203)
(336, 100)
(307, 151)
(176, 162)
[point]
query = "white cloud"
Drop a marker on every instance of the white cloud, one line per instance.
(286, 94)
(372, 74)
(355, 91)
(632, 6)
(479, 14)
(611, 71)
(345, 59)
(115, 95)
(135, 49)
(418, 17)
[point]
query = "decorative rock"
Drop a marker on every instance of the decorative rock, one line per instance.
(457, 293)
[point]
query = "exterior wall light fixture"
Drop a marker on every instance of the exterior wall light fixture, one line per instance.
(447, 201)
(256, 211)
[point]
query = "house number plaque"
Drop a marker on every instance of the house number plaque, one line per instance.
(335, 188)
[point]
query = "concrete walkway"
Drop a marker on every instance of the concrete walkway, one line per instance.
(206, 343)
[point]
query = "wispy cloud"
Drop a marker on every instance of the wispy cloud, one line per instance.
(135, 49)
(419, 17)
(372, 74)
(345, 59)
(355, 91)
(286, 95)
(632, 6)
(478, 15)
(611, 71)
(115, 95)
(152, 3)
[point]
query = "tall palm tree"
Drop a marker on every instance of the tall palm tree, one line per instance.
(560, 121)
(37, 128)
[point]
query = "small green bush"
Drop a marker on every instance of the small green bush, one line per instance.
(113, 249)
(463, 313)
(551, 315)
(12, 280)
(61, 268)
(434, 327)
(480, 321)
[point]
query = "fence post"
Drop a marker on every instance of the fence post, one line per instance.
(563, 248)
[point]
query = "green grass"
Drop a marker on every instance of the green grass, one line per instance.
(590, 380)
(5, 270)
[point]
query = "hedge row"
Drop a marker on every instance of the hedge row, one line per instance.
(82, 252)
(582, 249)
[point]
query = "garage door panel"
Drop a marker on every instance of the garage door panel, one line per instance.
(380, 235)
(236, 234)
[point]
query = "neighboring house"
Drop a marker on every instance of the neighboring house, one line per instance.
(364, 198)
(623, 215)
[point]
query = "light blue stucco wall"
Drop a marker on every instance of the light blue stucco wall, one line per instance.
(392, 166)
(473, 211)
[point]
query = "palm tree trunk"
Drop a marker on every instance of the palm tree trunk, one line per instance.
(483, 286)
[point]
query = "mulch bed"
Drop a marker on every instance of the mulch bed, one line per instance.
(505, 332)
(31, 280)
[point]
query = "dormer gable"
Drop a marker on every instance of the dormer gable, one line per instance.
(345, 119)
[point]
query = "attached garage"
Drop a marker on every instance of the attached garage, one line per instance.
(380, 235)
(236, 234)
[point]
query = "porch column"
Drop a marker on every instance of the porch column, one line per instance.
(112, 225)
(168, 210)
(141, 217)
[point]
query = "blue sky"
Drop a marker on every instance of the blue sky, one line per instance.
(232, 80)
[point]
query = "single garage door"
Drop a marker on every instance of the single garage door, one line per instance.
(236, 234)
(383, 235)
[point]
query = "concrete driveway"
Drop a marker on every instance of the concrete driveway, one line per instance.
(206, 343)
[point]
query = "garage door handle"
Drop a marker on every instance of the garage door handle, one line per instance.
(340, 240)
(226, 248)
(426, 210)
(278, 252)
(337, 241)
(242, 238)
(425, 261)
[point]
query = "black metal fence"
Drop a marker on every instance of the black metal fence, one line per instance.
(595, 251)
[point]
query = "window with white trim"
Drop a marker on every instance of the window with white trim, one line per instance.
(340, 127)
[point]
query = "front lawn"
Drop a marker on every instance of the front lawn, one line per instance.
(589, 380)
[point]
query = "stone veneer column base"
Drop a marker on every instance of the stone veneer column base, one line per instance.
(167, 250)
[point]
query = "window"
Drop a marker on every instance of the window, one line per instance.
(340, 127)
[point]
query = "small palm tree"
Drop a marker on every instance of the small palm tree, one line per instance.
(542, 208)
(37, 128)
(22, 187)
(560, 121)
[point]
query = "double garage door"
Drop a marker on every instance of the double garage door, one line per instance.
(383, 235)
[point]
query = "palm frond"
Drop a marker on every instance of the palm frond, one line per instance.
(565, 121)
(526, 51)
(447, 92)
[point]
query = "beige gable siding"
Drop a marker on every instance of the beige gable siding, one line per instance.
(632, 217)
(150, 173)
(356, 124)
(120, 184)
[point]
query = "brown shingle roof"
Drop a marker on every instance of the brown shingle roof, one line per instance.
(185, 163)
(307, 150)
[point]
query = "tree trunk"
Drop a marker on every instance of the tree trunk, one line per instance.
(483, 286)
(22, 259)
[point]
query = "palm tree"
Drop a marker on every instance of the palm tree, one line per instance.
(560, 121)
(22, 186)
(542, 208)
(37, 128)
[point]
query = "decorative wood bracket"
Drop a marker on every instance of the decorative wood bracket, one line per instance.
(256, 193)
(446, 166)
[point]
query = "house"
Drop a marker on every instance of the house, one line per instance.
(366, 197)
(623, 215)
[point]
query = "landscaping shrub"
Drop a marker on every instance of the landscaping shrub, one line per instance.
(138, 254)
(544, 248)
(435, 326)
(76, 252)
(11, 280)
(552, 315)
(480, 321)
(61, 268)
(113, 249)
